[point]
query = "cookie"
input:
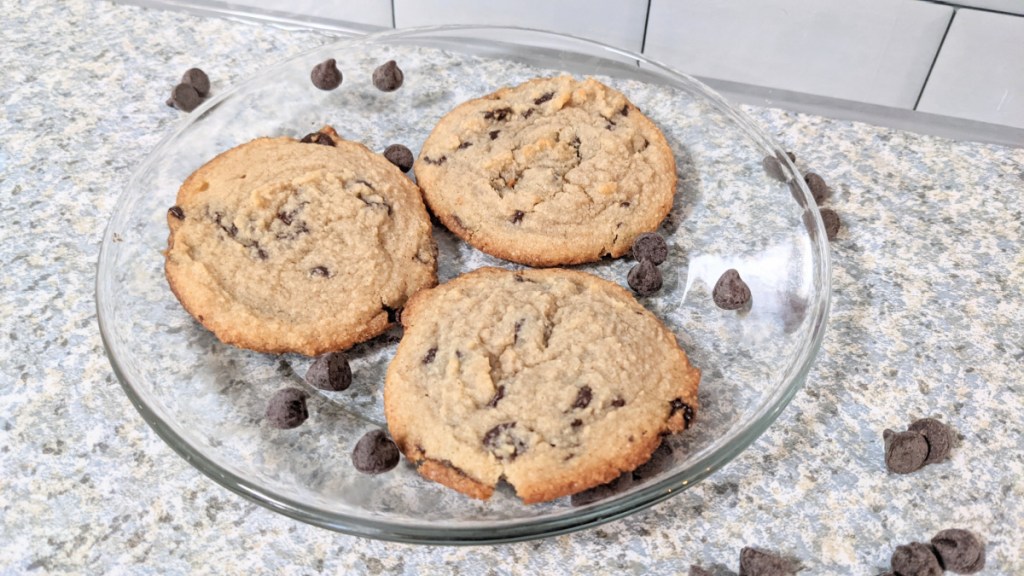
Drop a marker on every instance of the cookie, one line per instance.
(553, 380)
(554, 171)
(282, 246)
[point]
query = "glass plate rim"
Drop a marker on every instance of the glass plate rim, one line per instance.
(716, 456)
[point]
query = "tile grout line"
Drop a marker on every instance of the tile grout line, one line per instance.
(938, 51)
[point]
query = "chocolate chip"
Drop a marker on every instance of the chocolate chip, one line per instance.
(544, 98)
(938, 436)
(287, 408)
(499, 114)
(773, 168)
(375, 453)
(400, 156)
(831, 221)
(528, 113)
(792, 157)
(465, 145)
(498, 395)
(650, 246)
(915, 559)
(177, 212)
(677, 405)
(317, 138)
(625, 110)
(502, 441)
(494, 134)
(618, 402)
(624, 204)
(583, 397)
(197, 79)
(326, 75)
(755, 562)
(576, 423)
(429, 356)
(731, 292)
(437, 162)
(660, 460)
(185, 97)
(644, 278)
(388, 77)
(817, 185)
(959, 551)
(905, 452)
(330, 372)
(517, 217)
(589, 496)
(261, 253)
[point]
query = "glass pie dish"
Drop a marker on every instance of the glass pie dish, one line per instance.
(740, 203)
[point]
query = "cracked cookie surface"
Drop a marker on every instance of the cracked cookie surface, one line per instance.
(279, 245)
(553, 171)
(555, 380)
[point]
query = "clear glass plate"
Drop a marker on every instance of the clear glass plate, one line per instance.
(207, 400)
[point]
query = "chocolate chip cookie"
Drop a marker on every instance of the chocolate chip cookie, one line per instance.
(555, 380)
(553, 171)
(283, 246)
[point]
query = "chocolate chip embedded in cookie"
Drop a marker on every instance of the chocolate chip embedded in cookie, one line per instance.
(281, 246)
(555, 380)
(553, 171)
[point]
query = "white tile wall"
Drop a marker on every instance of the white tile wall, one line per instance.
(875, 51)
(979, 74)
(619, 23)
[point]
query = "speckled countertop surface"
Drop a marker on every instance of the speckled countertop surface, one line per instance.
(927, 319)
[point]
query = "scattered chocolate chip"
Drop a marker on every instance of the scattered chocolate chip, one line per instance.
(326, 75)
(618, 403)
(517, 217)
(500, 114)
(905, 452)
(528, 113)
(197, 79)
(938, 436)
(429, 356)
(375, 453)
(436, 162)
(576, 423)
(660, 460)
(287, 408)
(650, 246)
(498, 395)
(317, 138)
(494, 134)
(817, 185)
(544, 98)
(177, 212)
(831, 221)
(330, 372)
(678, 405)
(583, 397)
(261, 253)
(589, 496)
(731, 292)
(400, 156)
(644, 278)
(915, 559)
(792, 157)
(388, 77)
(185, 98)
(465, 145)
(625, 110)
(502, 441)
(773, 168)
(755, 562)
(319, 271)
(624, 204)
(959, 551)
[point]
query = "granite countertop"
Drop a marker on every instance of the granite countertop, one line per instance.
(927, 320)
